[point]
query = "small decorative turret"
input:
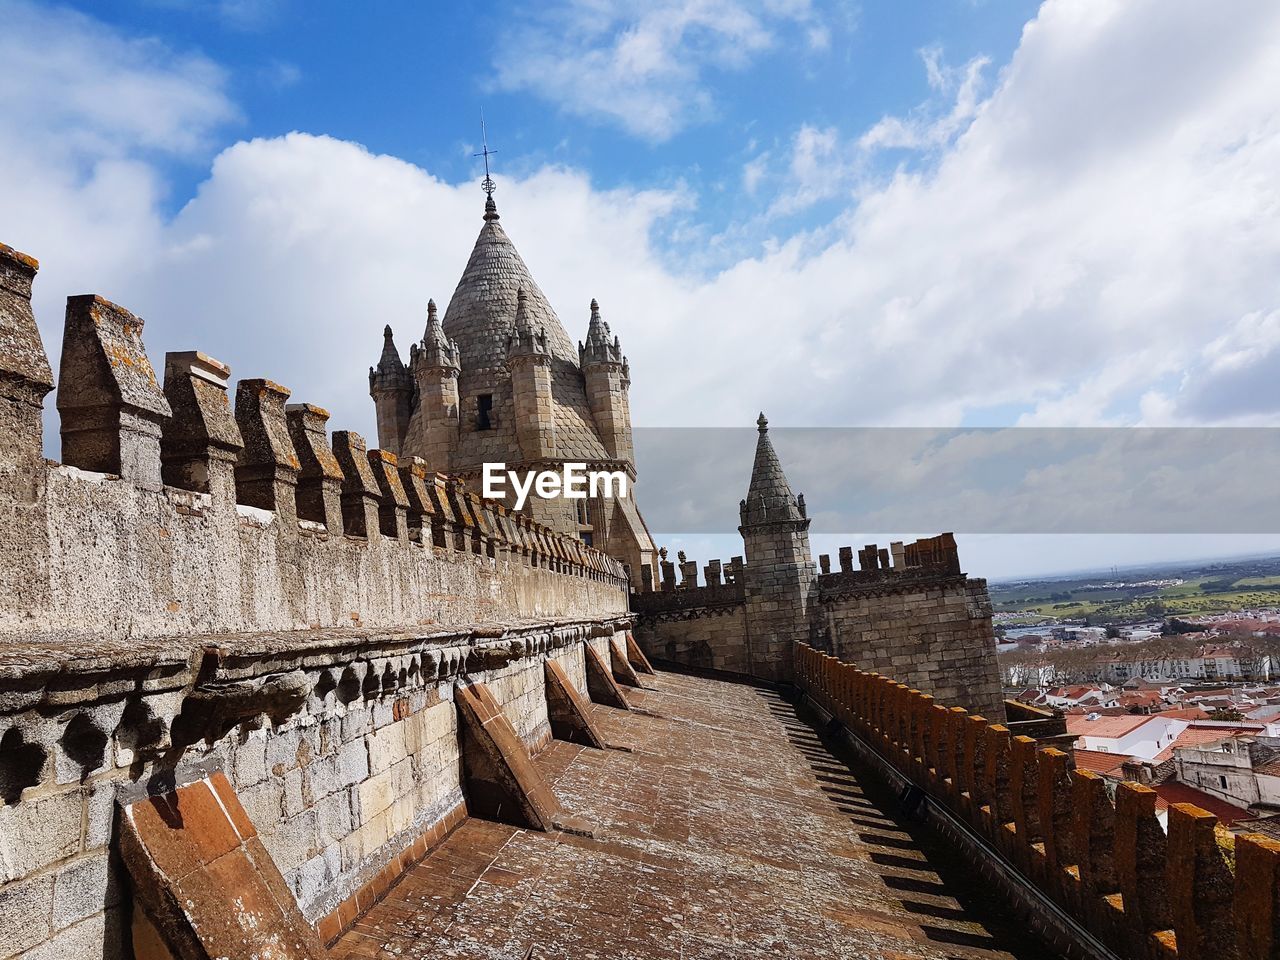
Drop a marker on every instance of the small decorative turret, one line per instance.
(392, 389)
(529, 362)
(524, 340)
(608, 376)
(434, 365)
(436, 350)
(769, 497)
(779, 571)
(598, 347)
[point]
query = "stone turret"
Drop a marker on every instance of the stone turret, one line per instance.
(434, 366)
(529, 362)
(489, 390)
(392, 388)
(608, 378)
(779, 571)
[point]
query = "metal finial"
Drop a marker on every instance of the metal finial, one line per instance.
(487, 183)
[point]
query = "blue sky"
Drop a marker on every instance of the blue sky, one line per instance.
(411, 79)
(847, 214)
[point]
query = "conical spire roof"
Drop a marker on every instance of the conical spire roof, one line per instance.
(524, 339)
(390, 359)
(769, 496)
(390, 370)
(437, 349)
(479, 314)
(479, 322)
(601, 344)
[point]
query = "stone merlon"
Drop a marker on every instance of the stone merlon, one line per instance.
(111, 406)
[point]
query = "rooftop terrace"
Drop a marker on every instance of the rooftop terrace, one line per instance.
(724, 826)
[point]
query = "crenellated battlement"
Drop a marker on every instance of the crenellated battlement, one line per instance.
(1193, 891)
(212, 589)
(185, 507)
(900, 566)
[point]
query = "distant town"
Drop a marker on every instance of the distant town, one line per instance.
(1169, 676)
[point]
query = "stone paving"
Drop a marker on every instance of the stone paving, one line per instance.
(724, 827)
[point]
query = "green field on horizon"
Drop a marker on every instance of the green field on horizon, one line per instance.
(1216, 588)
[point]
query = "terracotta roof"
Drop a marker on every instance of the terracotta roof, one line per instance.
(1145, 698)
(1200, 735)
(1271, 768)
(1105, 764)
(1107, 726)
(1183, 713)
(1173, 791)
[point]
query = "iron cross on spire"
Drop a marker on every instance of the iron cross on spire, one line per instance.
(488, 184)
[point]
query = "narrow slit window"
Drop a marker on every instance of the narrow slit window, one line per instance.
(484, 411)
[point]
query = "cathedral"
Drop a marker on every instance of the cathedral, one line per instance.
(498, 380)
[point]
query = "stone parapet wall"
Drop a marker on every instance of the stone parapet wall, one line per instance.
(932, 630)
(176, 513)
(342, 745)
(675, 603)
(906, 610)
(705, 638)
(119, 562)
(1193, 892)
(214, 586)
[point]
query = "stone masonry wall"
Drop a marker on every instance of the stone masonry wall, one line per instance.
(933, 634)
(122, 561)
(201, 589)
(907, 612)
(710, 638)
(343, 747)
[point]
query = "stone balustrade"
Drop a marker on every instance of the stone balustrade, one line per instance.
(1193, 892)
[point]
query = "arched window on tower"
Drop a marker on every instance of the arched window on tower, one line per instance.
(484, 411)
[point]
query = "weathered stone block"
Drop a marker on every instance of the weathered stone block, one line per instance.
(267, 468)
(25, 908)
(201, 441)
(111, 406)
(83, 888)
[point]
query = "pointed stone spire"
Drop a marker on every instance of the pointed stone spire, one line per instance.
(601, 346)
(390, 371)
(769, 497)
(392, 388)
(524, 340)
(437, 350)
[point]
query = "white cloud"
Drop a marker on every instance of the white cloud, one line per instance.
(923, 129)
(1096, 245)
(87, 114)
(642, 66)
(85, 93)
(1094, 241)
